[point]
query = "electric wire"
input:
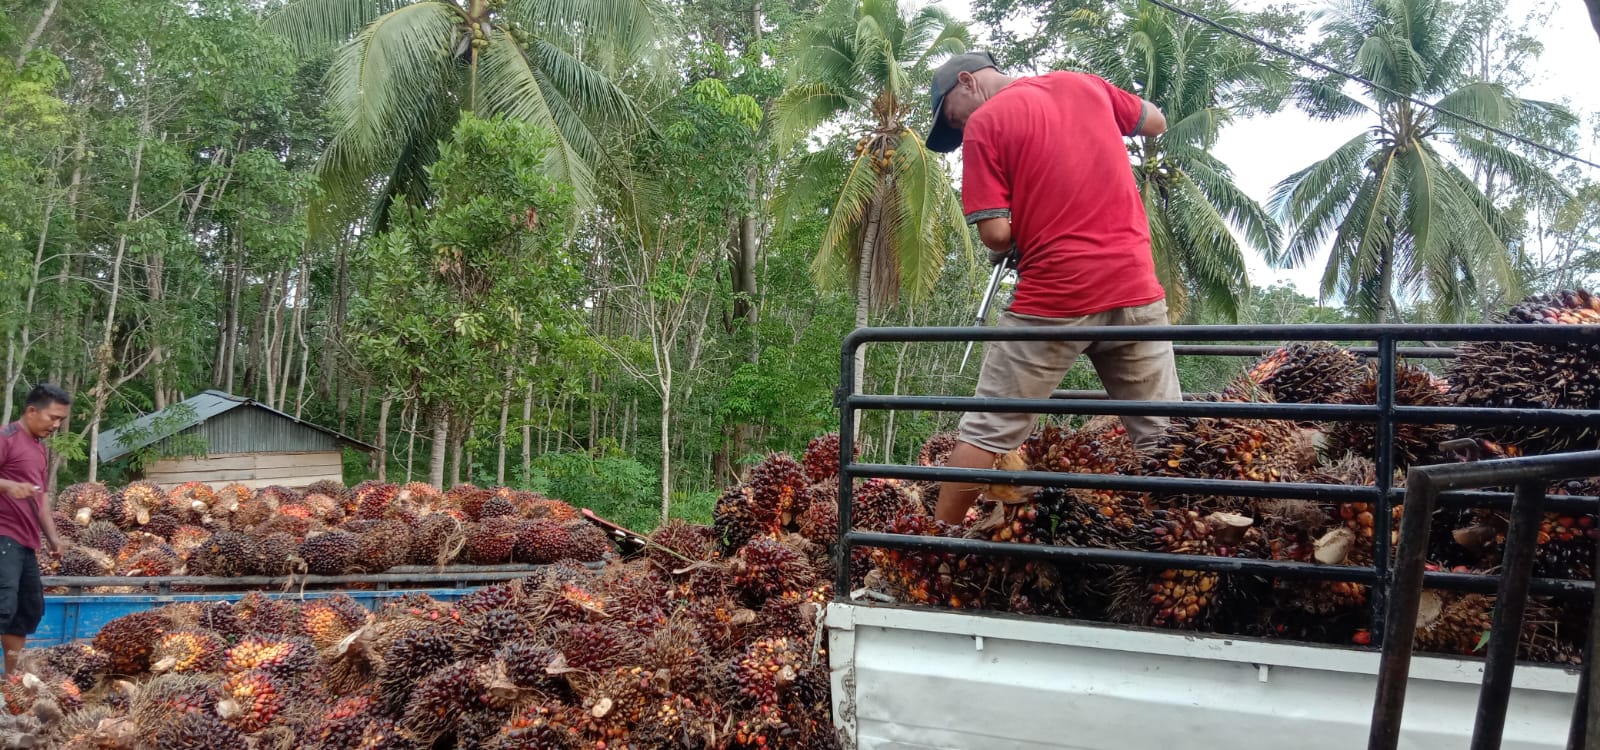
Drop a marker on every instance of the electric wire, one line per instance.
(1365, 82)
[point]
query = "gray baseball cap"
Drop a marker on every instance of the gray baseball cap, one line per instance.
(942, 137)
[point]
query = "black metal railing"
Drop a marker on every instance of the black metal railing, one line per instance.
(1382, 342)
(1530, 475)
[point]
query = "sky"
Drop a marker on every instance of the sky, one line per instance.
(1263, 150)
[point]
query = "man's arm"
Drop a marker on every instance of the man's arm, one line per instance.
(47, 524)
(1151, 122)
(996, 234)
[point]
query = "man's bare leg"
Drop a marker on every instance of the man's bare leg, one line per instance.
(13, 645)
(956, 497)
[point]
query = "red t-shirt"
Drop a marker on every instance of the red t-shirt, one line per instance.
(1048, 152)
(22, 459)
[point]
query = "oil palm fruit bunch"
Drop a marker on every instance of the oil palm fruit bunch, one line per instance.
(778, 490)
(1566, 541)
(134, 504)
(189, 651)
(1178, 598)
(130, 640)
(330, 553)
(821, 458)
(916, 576)
(1450, 622)
(1520, 375)
(85, 502)
(766, 567)
(1414, 443)
(736, 517)
(1226, 448)
(1301, 373)
(1086, 451)
(935, 452)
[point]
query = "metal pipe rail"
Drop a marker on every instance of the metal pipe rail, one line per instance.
(1385, 414)
(1425, 483)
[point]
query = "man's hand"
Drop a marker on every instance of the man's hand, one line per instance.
(1012, 254)
(17, 490)
(55, 545)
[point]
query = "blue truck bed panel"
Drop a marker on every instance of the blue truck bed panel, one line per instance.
(70, 618)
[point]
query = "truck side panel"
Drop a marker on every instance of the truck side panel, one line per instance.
(924, 679)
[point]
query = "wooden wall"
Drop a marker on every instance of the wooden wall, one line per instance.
(253, 470)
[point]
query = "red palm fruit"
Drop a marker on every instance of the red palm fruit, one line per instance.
(251, 701)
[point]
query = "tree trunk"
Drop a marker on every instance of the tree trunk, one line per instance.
(381, 441)
(18, 341)
(1385, 280)
(456, 447)
(38, 31)
(527, 434)
(666, 453)
(103, 353)
(1594, 15)
(441, 441)
(411, 435)
(500, 437)
(869, 243)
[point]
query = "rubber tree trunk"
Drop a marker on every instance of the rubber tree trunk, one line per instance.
(103, 353)
(441, 441)
(666, 454)
(500, 437)
(381, 441)
(38, 31)
(527, 434)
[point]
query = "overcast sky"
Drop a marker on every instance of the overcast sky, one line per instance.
(1264, 150)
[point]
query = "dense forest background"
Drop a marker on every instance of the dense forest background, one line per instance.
(608, 249)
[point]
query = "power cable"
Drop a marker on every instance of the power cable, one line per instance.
(1365, 82)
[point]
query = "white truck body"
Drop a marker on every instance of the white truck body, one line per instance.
(910, 678)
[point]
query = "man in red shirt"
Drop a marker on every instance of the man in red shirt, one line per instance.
(1045, 175)
(25, 516)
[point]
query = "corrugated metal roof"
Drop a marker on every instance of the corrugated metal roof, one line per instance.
(184, 415)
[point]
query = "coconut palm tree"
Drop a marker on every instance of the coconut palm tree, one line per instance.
(402, 71)
(1200, 78)
(1400, 212)
(891, 206)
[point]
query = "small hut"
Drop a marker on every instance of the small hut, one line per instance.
(218, 438)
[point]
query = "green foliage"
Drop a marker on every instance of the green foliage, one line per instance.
(480, 279)
(615, 487)
(403, 70)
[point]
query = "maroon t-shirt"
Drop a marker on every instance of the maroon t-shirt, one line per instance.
(1047, 151)
(22, 459)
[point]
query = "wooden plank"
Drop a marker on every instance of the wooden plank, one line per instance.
(237, 461)
(286, 477)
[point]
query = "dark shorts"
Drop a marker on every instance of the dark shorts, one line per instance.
(21, 591)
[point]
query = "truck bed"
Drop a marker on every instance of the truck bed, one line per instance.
(911, 678)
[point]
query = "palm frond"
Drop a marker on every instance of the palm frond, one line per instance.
(1213, 179)
(627, 29)
(1313, 200)
(380, 85)
(835, 258)
(1199, 128)
(916, 202)
(1324, 100)
(512, 84)
(312, 26)
(801, 108)
(1212, 258)
(1486, 102)
(1524, 172)
(805, 184)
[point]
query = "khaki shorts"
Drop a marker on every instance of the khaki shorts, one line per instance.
(1129, 370)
